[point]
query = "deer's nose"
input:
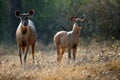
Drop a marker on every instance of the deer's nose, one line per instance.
(25, 24)
(79, 24)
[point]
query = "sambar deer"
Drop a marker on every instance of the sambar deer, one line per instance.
(69, 40)
(25, 35)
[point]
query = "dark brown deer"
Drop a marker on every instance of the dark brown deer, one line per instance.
(64, 39)
(25, 35)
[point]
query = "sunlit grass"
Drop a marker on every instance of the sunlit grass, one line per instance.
(94, 62)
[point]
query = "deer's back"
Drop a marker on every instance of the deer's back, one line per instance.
(61, 39)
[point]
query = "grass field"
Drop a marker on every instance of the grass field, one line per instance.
(98, 61)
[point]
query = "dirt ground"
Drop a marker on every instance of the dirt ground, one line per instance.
(98, 61)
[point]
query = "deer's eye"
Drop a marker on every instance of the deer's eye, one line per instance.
(78, 22)
(26, 18)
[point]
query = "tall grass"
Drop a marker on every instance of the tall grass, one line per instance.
(94, 62)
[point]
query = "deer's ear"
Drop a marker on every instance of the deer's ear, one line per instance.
(82, 18)
(17, 13)
(31, 12)
(72, 18)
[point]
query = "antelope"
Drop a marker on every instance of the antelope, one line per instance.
(69, 40)
(25, 35)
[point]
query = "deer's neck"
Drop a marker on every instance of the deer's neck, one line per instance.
(24, 30)
(76, 30)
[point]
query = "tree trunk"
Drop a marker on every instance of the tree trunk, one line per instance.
(13, 21)
(0, 10)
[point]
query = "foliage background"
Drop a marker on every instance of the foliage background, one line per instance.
(102, 18)
(100, 60)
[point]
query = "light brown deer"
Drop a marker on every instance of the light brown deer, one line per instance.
(25, 35)
(69, 40)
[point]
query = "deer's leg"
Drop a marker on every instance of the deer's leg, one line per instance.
(25, 55)
(74, 53)
(69, 55)
(20, 55)
(62, 50)
(58, 54)
(33, 47)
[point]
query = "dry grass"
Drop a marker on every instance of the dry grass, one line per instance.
(94, 62)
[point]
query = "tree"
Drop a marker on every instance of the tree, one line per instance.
(0, 9)
(104, 17)
(13, 21)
